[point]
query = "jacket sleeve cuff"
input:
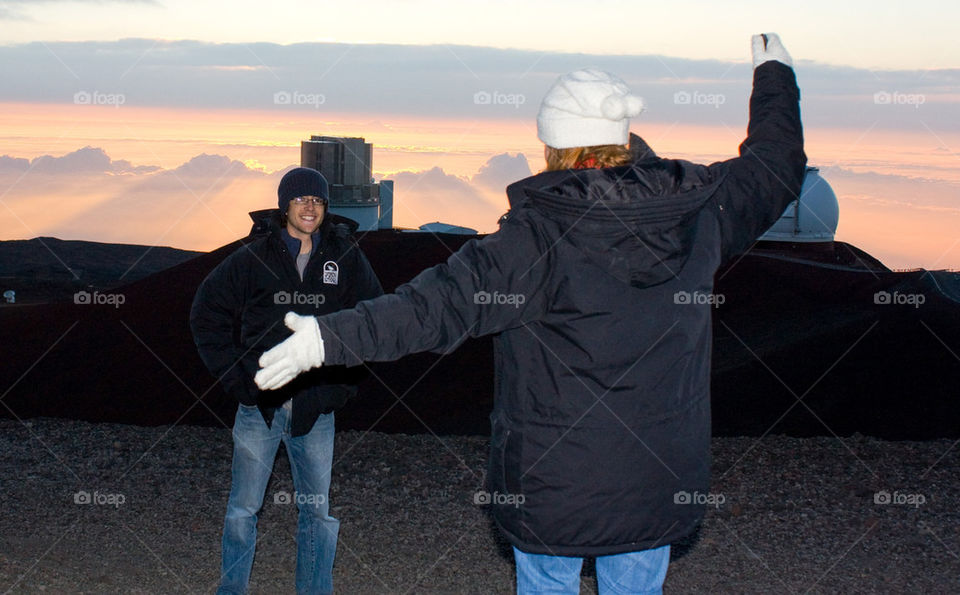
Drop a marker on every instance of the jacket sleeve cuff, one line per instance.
(335, 352)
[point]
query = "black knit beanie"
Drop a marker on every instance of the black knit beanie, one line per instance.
(300, 181)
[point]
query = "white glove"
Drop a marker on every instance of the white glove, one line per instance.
(767, 47)
(298, 353)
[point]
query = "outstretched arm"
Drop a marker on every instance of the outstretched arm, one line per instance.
(486, 287)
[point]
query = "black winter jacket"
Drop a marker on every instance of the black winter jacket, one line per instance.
(238, 312)
(598, 286)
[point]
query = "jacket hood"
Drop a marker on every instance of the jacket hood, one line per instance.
(268, 220)
(635, 221)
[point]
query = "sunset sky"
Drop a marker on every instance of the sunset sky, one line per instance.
(158, 122)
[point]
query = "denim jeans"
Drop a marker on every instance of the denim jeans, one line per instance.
(633, 572)
(311, 456)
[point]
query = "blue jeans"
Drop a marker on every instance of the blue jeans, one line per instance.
(311, 456)
(633, 572)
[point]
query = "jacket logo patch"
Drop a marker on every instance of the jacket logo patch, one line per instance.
(331, 273)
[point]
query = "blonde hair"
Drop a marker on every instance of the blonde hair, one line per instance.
(585, 157)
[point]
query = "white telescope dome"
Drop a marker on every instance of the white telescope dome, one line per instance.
(812, 218)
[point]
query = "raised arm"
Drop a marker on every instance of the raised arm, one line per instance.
(760, 183)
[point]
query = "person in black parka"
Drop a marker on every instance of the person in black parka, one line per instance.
(301, 258)
(598, 290)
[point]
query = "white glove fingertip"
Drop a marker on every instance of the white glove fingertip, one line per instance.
(266, 378)
(260, 379)
(768, 47)
(281, 380)
(270, 357)
(292, 320)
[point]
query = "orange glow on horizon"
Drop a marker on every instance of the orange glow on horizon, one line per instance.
(269, 140)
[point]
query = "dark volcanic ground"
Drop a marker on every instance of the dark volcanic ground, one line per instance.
(809, 340)
(47, 269)
(790, 515)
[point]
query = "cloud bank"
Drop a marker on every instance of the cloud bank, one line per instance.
(203, 203)
(447, 81)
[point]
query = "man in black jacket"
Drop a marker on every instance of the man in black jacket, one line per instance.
(301, 259)
(598, 289)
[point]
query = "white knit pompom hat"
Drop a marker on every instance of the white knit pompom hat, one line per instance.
(586, 108)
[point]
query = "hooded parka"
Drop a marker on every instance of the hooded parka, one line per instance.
(238, 312)
(598, 288)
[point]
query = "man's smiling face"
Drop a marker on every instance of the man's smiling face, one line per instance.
(304, 216)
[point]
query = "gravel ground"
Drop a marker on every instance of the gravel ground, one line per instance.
(817, 515)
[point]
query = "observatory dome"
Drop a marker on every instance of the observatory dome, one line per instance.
(812, 218)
